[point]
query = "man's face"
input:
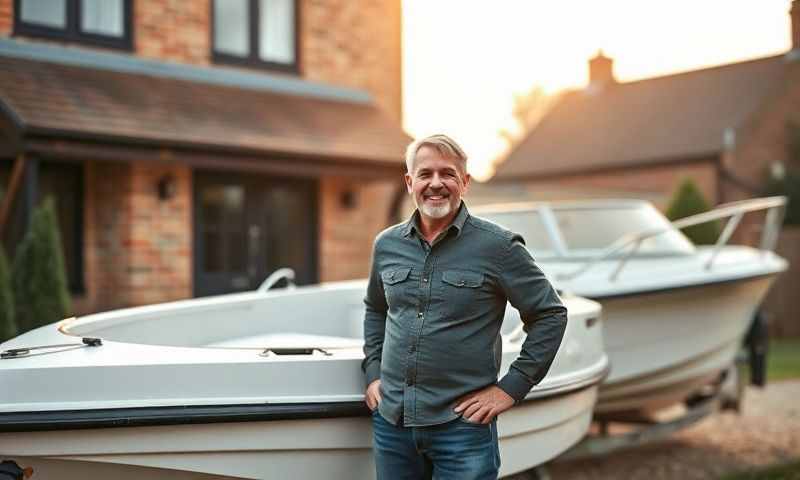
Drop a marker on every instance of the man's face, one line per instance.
(436, 183)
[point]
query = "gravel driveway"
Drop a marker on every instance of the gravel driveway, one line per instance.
(766, 432)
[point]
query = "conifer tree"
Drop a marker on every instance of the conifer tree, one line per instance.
(8, 327)
(688, 200)
(39, 277)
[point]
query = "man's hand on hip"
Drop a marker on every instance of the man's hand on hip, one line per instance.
(373, 394)
(483, 405)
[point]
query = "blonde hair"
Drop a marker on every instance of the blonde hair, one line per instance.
(446, 146)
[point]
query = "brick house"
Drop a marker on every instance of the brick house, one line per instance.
(194, 147)
(723, 126)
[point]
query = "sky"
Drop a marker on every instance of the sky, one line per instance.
(463, 60)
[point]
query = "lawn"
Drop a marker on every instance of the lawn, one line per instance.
(784, 359)
(789, 471)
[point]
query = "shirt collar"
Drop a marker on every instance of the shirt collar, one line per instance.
(458, 221)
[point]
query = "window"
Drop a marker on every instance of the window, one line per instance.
(256, 32)
(104, 23)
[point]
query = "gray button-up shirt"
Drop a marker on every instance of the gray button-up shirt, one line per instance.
(433, 315)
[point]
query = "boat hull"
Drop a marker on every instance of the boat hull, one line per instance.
(665, 345)
(314, 448)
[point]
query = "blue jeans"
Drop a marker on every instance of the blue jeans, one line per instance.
(456, 450)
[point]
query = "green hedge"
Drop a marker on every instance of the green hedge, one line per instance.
(788, 186)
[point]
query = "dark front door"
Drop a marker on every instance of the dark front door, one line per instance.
(247, 226)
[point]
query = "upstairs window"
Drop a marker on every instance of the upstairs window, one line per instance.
(256, 33)
(105, 23)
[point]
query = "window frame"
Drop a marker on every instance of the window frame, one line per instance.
(72, 31)
(253, 59)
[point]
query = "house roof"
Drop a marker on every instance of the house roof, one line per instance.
(680, 116)
(54, 100)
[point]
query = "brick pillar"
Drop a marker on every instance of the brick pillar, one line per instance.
(347, 233)
(137, 246)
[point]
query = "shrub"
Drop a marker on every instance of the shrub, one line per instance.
(8, 328)
(788, 186)
(688, 200)
(39, 277)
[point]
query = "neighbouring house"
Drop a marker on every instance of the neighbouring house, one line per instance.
(725, 127)
(195, 147)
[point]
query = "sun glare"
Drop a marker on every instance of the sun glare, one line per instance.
(464, 61)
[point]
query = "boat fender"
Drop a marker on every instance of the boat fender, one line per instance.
(9, 470)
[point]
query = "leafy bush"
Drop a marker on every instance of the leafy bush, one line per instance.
(788, 186)
(39, 277)
(688, 200)
(8, 328)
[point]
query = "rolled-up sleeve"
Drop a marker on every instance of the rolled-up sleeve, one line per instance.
(543, 314)
(374, 322)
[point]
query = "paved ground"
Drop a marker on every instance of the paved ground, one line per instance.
(765, 433)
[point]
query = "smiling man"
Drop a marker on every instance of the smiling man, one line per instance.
(435, 301)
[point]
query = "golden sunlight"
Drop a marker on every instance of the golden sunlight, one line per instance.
(463, 62)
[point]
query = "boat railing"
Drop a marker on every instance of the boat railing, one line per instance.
(275, 277)
(733, 211)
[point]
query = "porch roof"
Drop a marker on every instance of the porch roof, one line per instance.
(66, 108)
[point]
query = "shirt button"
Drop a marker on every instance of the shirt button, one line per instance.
(419, 314)
(425, 279)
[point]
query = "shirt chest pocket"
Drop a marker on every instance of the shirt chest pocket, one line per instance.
(461, 289)
(396, 282)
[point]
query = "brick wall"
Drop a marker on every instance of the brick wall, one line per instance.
(357, 44)
(346, 235)
(763, 139)
(106, 227)
(173, 30)
(6, 16)
(160, 242)
(138, 248)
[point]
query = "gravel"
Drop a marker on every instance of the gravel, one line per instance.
(766, 432)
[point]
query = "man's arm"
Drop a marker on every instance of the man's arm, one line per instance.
(374, 330)
(545, 320)
(543, 315)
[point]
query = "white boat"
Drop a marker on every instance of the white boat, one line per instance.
(675, 314)
(263, 384)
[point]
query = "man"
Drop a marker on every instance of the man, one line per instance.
(435, 300)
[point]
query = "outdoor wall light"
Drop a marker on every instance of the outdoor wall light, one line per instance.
(348, 199)
(166, 187)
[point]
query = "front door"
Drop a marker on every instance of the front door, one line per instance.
(247, 226)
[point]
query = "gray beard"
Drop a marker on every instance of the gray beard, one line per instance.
(435, 212)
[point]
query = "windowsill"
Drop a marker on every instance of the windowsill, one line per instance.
(66, 40)
(251, 64)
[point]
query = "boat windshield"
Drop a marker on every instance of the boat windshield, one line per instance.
(527, 223)
(598, 228)
(587, 231)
